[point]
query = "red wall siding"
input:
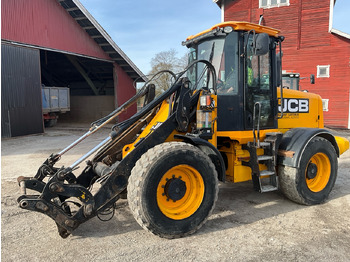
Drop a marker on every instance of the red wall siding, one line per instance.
(45, 23)
(283, 18)
(124, 91)
(308, 44)
(314, 24)
(335, 88)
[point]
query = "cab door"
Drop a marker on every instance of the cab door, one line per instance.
(258, 88)
(230, 86)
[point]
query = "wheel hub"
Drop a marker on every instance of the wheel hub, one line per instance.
(180, 192)
(175, 189)
(311, 171)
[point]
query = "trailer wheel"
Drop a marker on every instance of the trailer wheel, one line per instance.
(172, 189)
(313, 181)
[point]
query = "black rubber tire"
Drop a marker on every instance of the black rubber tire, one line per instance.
(293, 182)
(50, 122)
(146, 176)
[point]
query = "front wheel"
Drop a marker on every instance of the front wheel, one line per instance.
(172, 189)
(313, 181)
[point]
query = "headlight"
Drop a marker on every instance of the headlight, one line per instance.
(228, 29)
(205, 101)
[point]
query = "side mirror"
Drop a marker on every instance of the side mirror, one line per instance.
(312, 79)
(262, 44)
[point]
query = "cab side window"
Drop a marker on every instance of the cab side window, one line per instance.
(228, 70)
(258, 89)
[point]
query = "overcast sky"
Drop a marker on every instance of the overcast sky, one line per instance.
(143, 28)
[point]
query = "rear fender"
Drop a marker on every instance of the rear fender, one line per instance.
(295, 141)
(210, 150)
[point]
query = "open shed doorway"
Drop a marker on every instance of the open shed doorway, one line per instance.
(91, 85)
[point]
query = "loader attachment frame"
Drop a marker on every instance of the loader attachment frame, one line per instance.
(62, 183)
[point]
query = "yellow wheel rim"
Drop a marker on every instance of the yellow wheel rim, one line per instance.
(318, 172)
(180, 192)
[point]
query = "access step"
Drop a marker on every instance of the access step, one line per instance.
(266, 173)
(264, 144)
(268, 188)
(264, 158)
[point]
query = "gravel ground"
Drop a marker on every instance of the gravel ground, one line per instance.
(245, 225)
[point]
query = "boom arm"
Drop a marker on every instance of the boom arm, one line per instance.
(63, 184)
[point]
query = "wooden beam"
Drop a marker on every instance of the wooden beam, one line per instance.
(118, 59)
(80, 18)
(104, 44)
(81, 70)
(72, 9)
(128, 70)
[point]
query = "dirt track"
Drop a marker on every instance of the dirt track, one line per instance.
(245, 225)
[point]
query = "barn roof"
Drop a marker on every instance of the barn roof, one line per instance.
(218, 2)
(82, 16)
(338, 32)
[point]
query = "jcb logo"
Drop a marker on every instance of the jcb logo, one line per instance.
(295, 105)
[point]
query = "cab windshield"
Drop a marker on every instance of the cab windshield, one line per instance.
(222, 53)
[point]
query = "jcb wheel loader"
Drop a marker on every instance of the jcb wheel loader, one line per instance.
(225, 118)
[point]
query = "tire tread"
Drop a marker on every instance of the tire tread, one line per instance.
(136, 177)
(289, 177)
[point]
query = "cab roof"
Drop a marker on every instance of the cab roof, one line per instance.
(244, 26)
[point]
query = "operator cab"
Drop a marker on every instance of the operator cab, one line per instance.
(290, 80)
(245, 75)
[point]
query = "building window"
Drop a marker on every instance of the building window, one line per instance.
(273, 3)
(325, 104)
(323, 71)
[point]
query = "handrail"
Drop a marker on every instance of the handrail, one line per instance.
(256, 137)
(281, 84)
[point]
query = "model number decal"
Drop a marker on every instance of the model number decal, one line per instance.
(295, 105)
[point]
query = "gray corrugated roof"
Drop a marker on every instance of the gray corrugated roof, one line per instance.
(101, 37)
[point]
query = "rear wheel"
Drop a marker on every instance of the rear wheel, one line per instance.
(313, 181)
(50, 122)
(172, 189)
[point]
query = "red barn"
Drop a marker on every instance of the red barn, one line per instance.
(312, 46)
(59, 43)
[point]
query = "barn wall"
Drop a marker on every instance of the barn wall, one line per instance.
(336, 87)
(45, 23)
(125, 90)
(87, 109)
(307, 44)
(306, 19)
(21, 112)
